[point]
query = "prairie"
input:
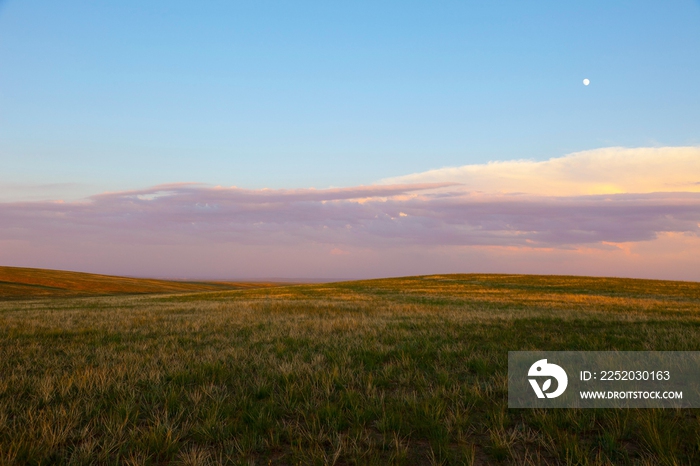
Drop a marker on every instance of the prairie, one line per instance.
(393, 371)
(19, 282)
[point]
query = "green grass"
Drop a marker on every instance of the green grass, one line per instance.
(395, 371)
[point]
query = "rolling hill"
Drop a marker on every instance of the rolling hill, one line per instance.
(19, 282)
(400, 371)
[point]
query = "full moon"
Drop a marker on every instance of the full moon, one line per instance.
(586, 82)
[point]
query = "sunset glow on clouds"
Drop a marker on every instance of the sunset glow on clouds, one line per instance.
(602, 171)
(603, 212)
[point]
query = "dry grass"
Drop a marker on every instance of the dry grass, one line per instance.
(400, 371)
(21, 283)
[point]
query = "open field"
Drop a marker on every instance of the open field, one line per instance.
(394, 371)
(18, 282)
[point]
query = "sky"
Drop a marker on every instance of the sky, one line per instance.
(316, 140)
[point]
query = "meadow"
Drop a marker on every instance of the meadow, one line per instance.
(20, 282)
(395, 371)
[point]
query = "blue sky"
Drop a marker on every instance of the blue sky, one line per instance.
(117, 95)
(468, 123)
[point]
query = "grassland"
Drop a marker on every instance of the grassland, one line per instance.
(19, 282)
(396, 371)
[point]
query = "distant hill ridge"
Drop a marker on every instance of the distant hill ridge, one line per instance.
(20, 282)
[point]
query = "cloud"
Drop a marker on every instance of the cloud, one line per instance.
(611, 170)
(370, 216)
(359, 225)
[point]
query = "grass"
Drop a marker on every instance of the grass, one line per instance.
(19, 283)
(395, 371)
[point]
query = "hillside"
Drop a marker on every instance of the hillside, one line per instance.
(402, 371)
(18, 282)
(405, 371)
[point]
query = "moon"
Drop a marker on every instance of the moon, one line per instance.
(586, 82)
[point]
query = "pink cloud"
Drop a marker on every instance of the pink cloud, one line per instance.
(367, 221)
